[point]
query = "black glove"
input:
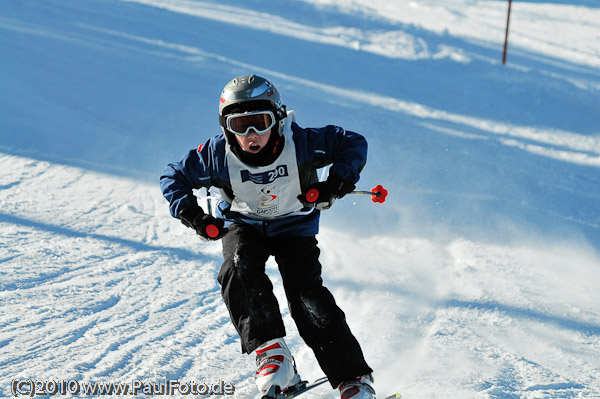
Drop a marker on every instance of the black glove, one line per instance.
(323, 194)
(207, 227)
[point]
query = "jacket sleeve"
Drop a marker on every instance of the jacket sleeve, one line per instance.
(344, 150)
(196, 169)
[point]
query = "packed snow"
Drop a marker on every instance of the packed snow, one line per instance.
(477, 278)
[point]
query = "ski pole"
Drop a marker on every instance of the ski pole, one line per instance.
(377, 193)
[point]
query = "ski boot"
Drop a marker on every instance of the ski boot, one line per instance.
(358, 388)
(275, 369)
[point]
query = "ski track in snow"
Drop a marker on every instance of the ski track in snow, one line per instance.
(556, 144)
(113, 289)
(89, 292)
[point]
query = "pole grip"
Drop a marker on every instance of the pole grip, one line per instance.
(312, 195)
(212, 231)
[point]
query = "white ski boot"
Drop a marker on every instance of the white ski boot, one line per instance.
(358, 388)
(275, 367)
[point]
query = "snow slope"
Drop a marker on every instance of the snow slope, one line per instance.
(477, 278)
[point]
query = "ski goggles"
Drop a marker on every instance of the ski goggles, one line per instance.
(259, 121)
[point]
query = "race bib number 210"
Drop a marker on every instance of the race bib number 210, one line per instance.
(264, 177)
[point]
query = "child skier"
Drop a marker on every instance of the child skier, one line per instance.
(264, 165)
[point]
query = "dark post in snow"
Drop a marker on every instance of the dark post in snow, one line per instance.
(506, 36)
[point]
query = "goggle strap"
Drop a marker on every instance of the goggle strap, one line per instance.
(223, 121)
(280, 113)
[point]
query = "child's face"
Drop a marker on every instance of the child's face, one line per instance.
(253, 143)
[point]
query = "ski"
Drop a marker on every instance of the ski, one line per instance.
(303, 386)
(293, 391)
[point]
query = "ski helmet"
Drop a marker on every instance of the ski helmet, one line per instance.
(250, 93)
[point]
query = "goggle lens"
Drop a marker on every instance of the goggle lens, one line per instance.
(261, 122)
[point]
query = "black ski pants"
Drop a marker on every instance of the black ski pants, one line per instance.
(254, 310)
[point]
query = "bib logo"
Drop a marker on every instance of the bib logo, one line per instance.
(265, 177)
(268, 201)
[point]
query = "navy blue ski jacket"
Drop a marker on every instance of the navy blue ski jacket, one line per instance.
(206, 167)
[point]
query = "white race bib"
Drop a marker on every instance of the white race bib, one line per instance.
(266, 192)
